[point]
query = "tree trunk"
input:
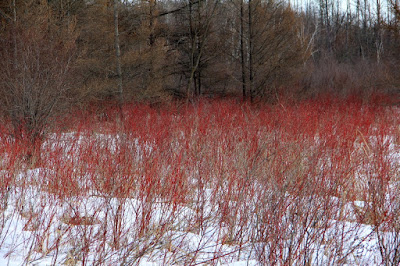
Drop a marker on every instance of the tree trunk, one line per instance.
(242, 56)
(14, 8)
(151, 22)
(117, 51)
(251, 51)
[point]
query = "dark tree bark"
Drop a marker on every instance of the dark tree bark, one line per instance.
(117, 51)
(242, 51)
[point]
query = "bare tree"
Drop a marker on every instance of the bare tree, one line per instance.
(117, 50)
(242, 50)
(274, 46)
(193, 40)
(34, 72)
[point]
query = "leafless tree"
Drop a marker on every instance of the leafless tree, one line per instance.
(34, 89)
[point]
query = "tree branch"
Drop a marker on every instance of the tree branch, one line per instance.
(178, 9)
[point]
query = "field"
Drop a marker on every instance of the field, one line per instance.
(213, 183)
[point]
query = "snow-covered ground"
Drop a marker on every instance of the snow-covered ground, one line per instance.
(44, 233)
(40, 227)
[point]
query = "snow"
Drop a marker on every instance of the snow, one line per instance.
(36, 227)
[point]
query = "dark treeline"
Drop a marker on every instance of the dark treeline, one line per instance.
(356, 47)
(58, 53)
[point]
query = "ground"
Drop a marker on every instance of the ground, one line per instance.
(215, 183)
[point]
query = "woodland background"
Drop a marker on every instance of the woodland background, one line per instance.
(60, 54)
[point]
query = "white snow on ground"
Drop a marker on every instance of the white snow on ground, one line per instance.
(36, 227)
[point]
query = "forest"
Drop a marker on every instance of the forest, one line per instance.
(61, 54)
